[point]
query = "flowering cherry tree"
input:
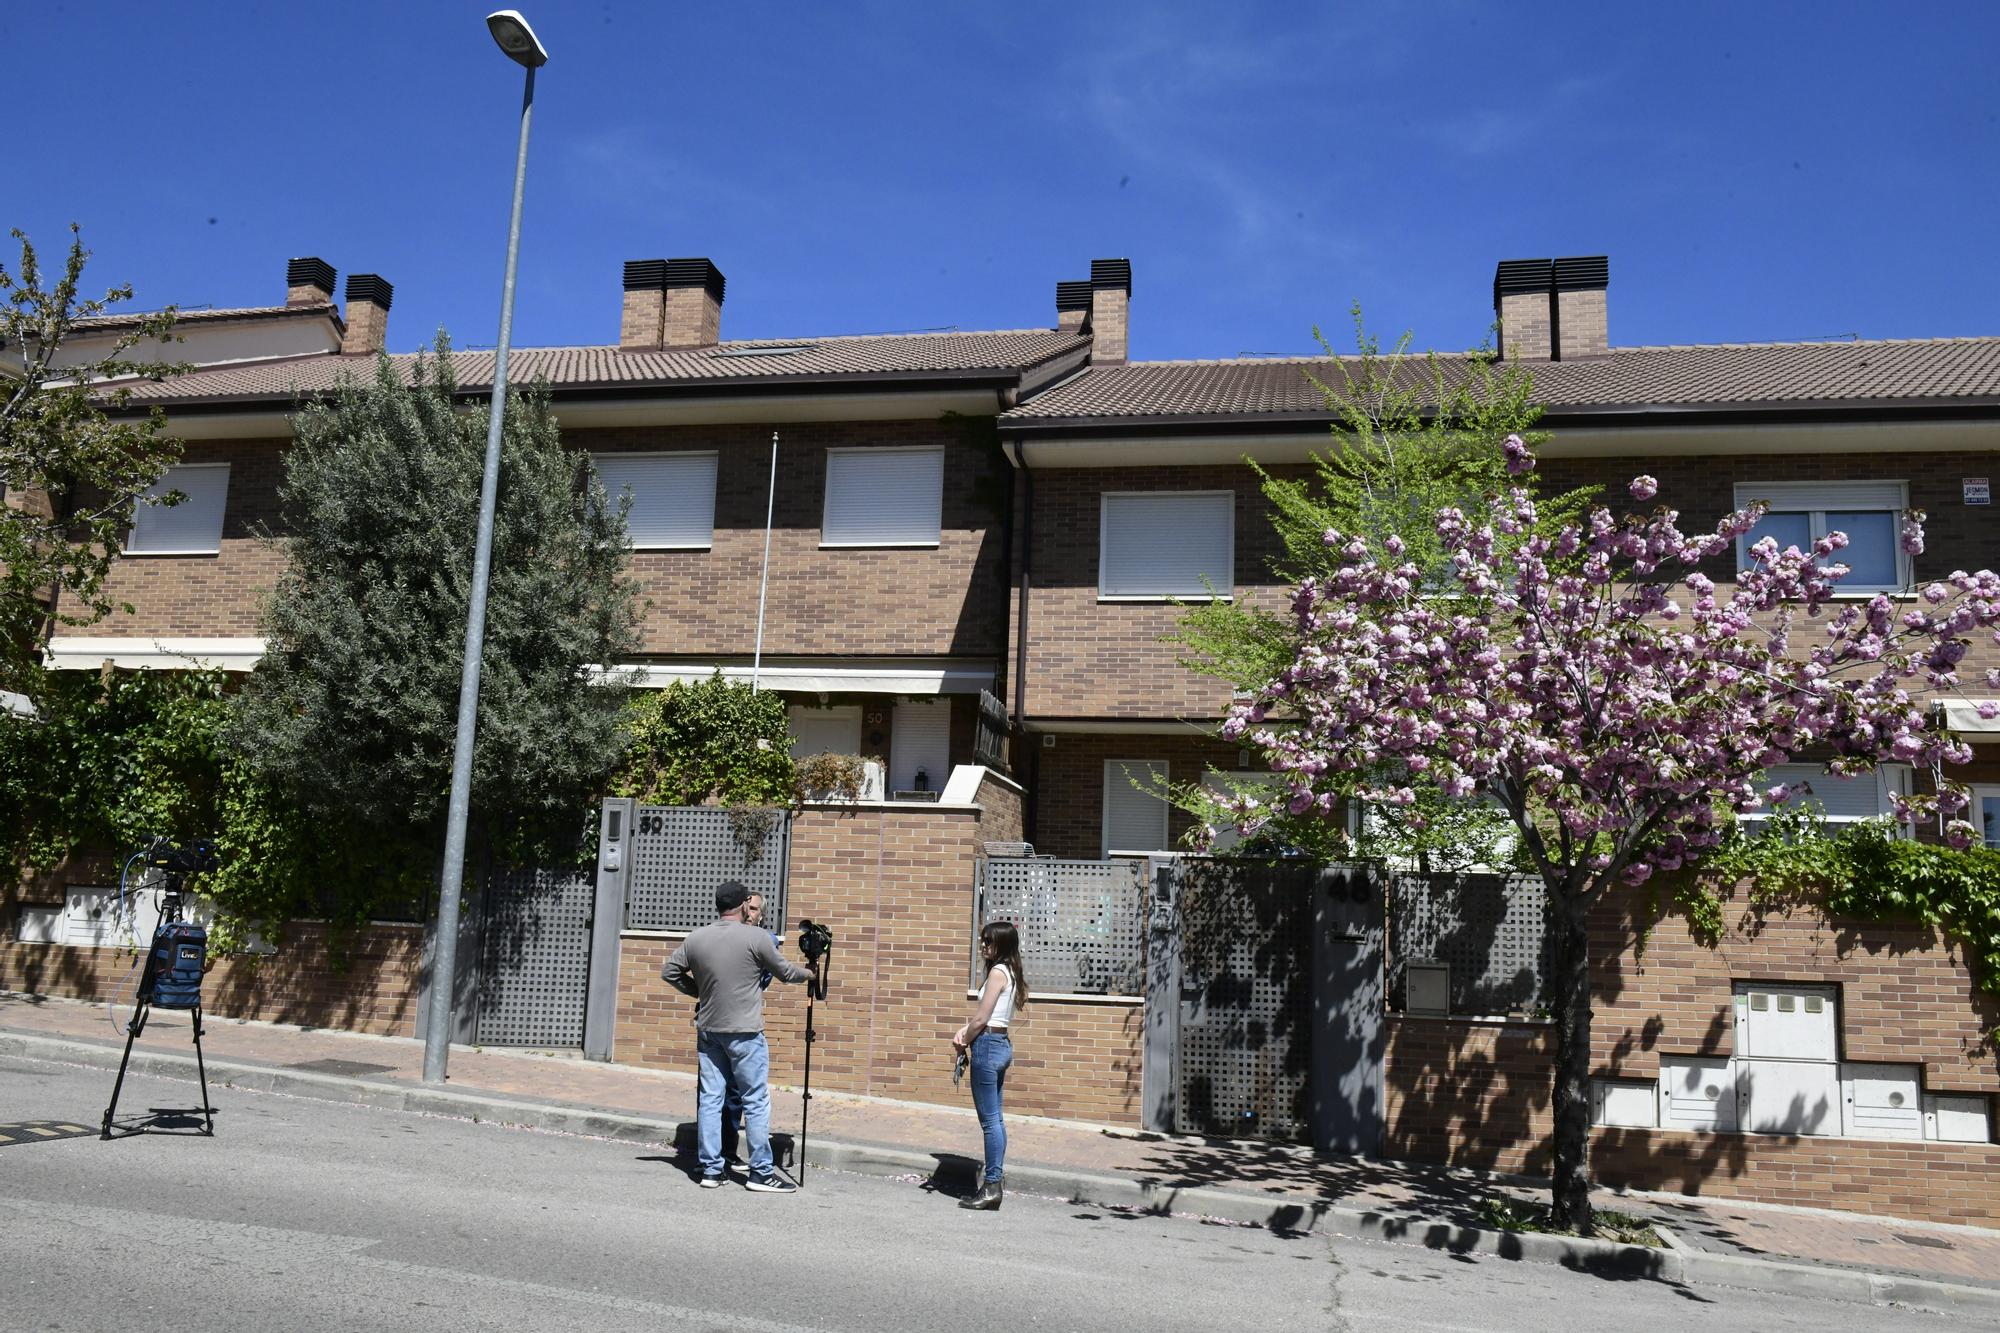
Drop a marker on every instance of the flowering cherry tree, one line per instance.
(1609, 697)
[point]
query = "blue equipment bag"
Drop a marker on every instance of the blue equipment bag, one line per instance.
(180, 950)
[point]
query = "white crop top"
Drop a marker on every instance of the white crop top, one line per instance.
(1003, 1008)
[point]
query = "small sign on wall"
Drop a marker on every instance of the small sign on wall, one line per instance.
(1977, 492)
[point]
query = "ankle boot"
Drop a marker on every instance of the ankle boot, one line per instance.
(988, 1197)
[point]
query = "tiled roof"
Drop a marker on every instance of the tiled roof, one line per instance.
(1942, 370)
(197, 316)
(775, 361)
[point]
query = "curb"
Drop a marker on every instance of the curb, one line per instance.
(1277, 1212)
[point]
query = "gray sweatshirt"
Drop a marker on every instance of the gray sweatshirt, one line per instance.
(720, 965)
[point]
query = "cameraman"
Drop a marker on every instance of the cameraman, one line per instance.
(721, 965)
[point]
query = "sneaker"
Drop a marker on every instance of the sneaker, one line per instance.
(711, 1182)
(772, 1184)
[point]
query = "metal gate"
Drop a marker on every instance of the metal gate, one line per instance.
(1264, 1002)
(534, 957)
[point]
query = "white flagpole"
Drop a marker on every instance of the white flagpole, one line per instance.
(764, 584)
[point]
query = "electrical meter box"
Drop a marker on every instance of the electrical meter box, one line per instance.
(1427, 987)
(1617, 1102)
(1786, 1021)
(1957, 1119)
(1881, 1102)
(1788, 1097)
(1697, 1092)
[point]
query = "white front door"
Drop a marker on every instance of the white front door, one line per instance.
(920, 741)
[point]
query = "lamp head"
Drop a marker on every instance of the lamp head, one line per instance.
(516, 38)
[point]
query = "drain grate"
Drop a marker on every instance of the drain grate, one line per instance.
(349, 1067)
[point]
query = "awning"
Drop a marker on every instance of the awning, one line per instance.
(89, 652)
(1961, 719)
(831, 676)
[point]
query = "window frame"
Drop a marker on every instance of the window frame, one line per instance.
(1227, 590)
(1983, 791)
(879, 451)
(1868, 500)
(714, 487)
(166, 484)
(1890, 780)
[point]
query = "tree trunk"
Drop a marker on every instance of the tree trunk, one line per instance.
(1570, 989)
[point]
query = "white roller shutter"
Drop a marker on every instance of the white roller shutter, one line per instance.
(1165, 544)
(192, 527)
(673, 498)
(1134, 820)
(883, 497)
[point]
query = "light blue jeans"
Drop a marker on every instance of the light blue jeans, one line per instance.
(992, 1052)
(736, 1062)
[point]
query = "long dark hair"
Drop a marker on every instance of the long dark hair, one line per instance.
(1006, 942)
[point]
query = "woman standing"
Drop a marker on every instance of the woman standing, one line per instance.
(985, 1034)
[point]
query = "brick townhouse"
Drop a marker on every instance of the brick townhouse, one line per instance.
(886, 615)
(1132, 493)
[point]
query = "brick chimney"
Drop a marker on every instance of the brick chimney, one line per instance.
(368, 297)
(1073, 306)
(671, 303)
(1582, 329)
(1110, 304)
(1523, 301)
(308, 281)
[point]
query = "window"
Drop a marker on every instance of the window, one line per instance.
(1839, 800)
(883, 497)
(673, 498)
(192, 527)
(1135, 820)
(1869, 512)
(1167, 544)
(825, 730)
(1985, 815)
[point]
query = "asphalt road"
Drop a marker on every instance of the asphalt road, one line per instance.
(309, 1215)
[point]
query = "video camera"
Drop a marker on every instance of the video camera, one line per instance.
(194, 857)
(814, 940)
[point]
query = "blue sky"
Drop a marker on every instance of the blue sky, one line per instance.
(1762, 171)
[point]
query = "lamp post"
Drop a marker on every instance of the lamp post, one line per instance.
(518, 40)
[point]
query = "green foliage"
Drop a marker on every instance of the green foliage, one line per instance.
(353, 712)
(1504, 1213)
(710, 740)
(1413, 435)
(1866, 873)
(71, 472)
(117, 757)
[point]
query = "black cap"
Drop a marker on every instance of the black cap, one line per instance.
(731, 894)
(1073, 295)
(371, 287)
(310, 271)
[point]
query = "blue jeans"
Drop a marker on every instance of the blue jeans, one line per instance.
(992, 1052)
(738, 1063)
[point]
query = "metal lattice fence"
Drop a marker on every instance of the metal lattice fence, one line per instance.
(1082, 923)
(1495, 931)
(680, 853)
(534, 957)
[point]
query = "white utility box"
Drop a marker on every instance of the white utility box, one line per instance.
(1786, 1022)
(1427, 987)
(1881, 1102)
(1952, 1118)
(1697, 1092)
(1787, 1097)
(1622, 1103)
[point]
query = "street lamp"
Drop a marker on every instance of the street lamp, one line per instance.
(518, 40)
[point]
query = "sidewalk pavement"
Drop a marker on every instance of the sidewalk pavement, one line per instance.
(1836, 1255)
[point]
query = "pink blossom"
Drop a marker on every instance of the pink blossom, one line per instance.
(1644, 488)
(1519, 460)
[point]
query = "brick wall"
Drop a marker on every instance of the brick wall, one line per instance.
(896, 888)
(365, 983)
(943, 601)
(1477, 1094)
(1070, 777)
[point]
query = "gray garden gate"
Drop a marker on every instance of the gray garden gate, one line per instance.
(538, 948)
(1264, 1002)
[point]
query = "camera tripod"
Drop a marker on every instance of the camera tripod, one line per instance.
(816, 943)
(171, 979)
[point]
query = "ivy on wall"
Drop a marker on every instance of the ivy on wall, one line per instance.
(1863, 872)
